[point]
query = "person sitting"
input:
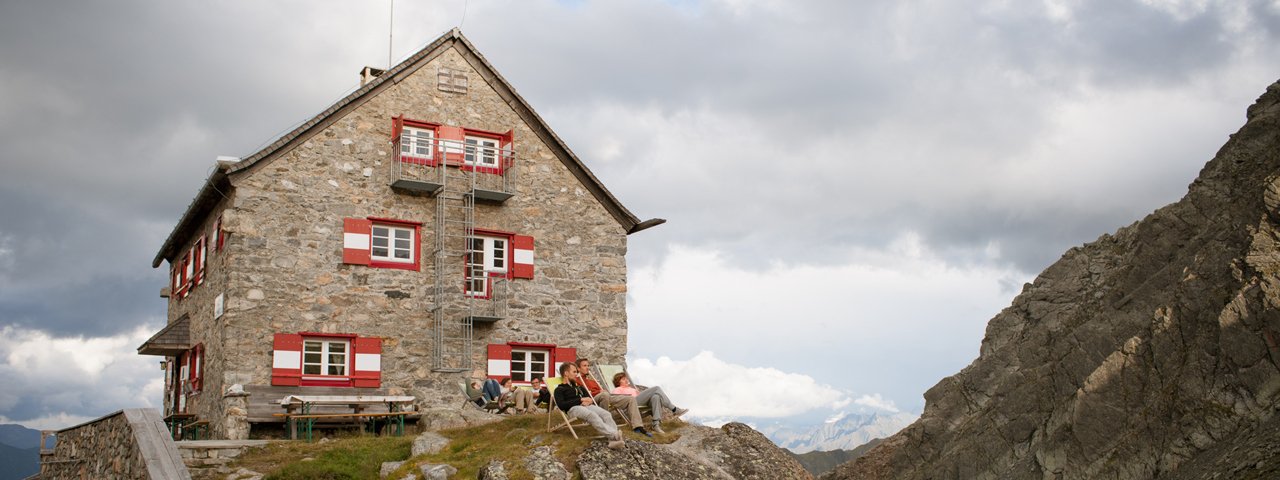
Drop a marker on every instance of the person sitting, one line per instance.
(527, 398)
(499, 392)
(604, 399)
(576, 402)
(654, 397)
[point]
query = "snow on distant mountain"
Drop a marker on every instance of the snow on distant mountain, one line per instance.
(844, 432)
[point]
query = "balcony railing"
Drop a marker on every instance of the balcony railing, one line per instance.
(426, 165)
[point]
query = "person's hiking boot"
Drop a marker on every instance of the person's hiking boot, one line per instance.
(657, 428)
(677, 412)
(615, 442)
(642, 431)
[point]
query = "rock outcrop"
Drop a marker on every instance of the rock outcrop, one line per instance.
(701, 453)
(1151, 352)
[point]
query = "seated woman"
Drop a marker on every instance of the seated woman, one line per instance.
(654, 397)
(575, 401)
(498, 391)
(527, 398)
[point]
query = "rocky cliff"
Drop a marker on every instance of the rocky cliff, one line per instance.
(1151, 352)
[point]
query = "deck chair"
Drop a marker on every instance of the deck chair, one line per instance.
(471, 394)
(553, 410)
(606, 382)
(606, 373)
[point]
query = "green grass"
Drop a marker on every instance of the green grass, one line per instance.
(344, 458)
(469, 450)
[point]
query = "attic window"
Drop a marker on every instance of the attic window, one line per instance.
(453, 81)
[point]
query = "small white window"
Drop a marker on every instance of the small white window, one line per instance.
(391, 244)
(487, 255)
(416, 142)
(526, 364)
(482, 151)
(324, 357)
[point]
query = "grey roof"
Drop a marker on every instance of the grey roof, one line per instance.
(170, 341)
(209, 194)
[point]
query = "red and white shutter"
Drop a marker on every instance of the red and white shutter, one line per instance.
(367, 371)
(197, 368)
(397, 128)
(499, 361)
(217, 234)
(521, 256)
(286, 360)
(202, 252)
(452, 142)
(355, 240)
(560, 355)
(505, 151)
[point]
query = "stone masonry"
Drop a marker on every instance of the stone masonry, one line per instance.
(128, 444)
(281, 269)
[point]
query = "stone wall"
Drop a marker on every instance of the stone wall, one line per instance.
(129, 444)
(283, 257)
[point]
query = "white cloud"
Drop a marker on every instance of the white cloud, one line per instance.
(714, 389)
(891, 321)
(53, 383)
(876, 401)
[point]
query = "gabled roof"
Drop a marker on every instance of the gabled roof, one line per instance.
(209, 195)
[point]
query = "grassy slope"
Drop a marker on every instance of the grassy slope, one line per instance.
(469, 450)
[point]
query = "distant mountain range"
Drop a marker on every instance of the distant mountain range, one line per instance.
(819, 462)
(847, 433)
(19, 452)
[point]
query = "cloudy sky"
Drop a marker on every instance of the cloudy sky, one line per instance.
(853, 188)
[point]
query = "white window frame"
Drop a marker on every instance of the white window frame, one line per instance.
(326, 357)
(481, 151)
(417, 142)
(525, 367)
(488, 252)
(390, 239)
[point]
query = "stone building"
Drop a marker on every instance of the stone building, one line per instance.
(426, 229)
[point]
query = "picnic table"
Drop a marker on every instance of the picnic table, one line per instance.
(175, 421)
(301, 411)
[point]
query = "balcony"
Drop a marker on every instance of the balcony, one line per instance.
(429, 166)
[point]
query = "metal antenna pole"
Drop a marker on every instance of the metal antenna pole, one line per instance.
(391, 31)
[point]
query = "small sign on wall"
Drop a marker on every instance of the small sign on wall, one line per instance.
(217, 305)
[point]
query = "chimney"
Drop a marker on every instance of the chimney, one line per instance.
(367, 74)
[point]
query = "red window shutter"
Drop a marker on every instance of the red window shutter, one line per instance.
(355, 240)
(286, 359)
(521, 256)
(217, 234)
(197, 368)
(506, 150)
(561, 355)
(452, 140)
(499, 366)
(200, 253)
(367, 369)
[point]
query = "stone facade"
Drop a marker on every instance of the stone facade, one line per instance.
(129, 444)
(281, 268)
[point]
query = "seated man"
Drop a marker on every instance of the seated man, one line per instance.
(527, 398)
(605, 400)
(654, 397)
(573, 399)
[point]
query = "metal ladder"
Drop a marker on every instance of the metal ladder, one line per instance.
(452, 306)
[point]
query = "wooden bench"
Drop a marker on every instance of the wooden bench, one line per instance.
(198, 428)
(264, 400)
(309, 420)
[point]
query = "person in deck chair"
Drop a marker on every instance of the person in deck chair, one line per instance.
(576, 402)
(528, 398)
(604, 399)
(654, 397)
